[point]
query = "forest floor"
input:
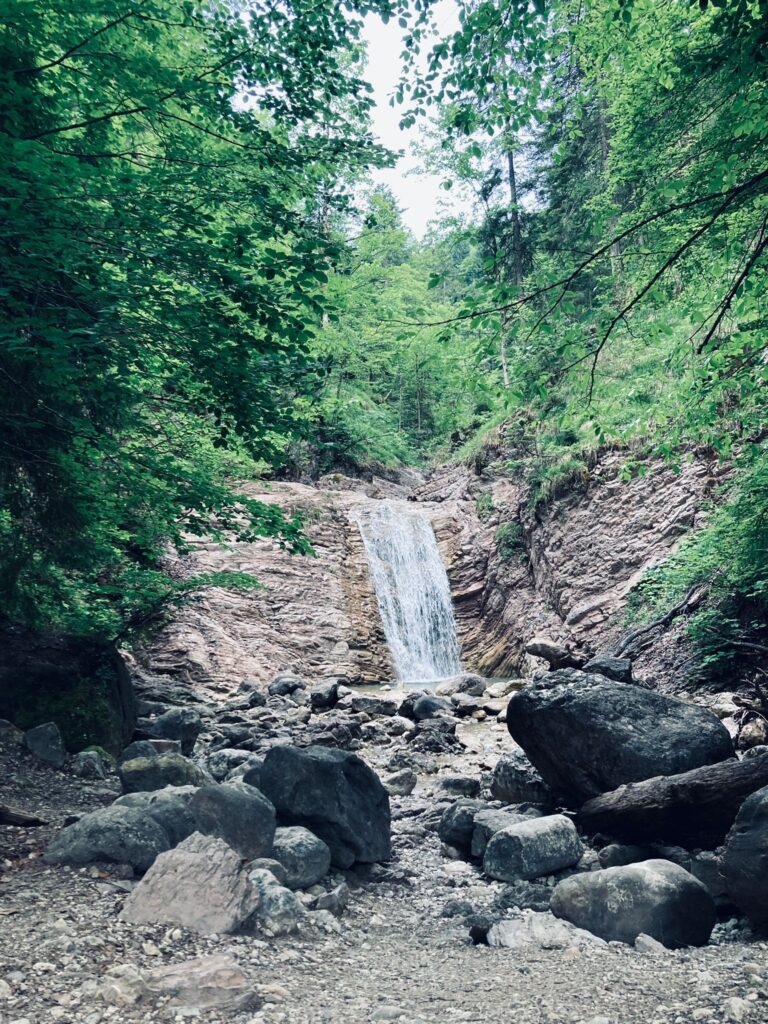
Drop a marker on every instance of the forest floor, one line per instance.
(394, 957)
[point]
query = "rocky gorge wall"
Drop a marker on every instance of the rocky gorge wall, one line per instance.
(563, 569)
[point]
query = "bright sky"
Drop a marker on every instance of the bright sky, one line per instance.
(418, 194)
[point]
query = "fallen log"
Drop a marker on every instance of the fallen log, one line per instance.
(696, 807)
(13, 816)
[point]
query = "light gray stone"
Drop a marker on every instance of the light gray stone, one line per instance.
(276, 911)
(530, 849)
(530, 929)
(305, 858)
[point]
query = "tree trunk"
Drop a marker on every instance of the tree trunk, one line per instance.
(697, 807)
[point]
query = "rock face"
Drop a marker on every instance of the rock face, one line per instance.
(238, 814)
(305, 858)
(745, 859)
(200, 885)
(655, 897)
(81, 686)
(587, 734)
(530, 849)
(123, 835)
(335, 795)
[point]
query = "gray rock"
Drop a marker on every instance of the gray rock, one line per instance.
(364, 703)
(707, 867)
(335, 900)
(745, 858)
(401, 783)
(335, 795)
(524, 895)
(285, 685)
(208, 983)
(656, 898)
(619, 669)
(169, 807)
(276, 909)
(588, 735)
(530, 849)
(487, 823)
(616, 855)
(646, 944)
(257, 699)
(201, 885)
(324, 696)
(306, 858)
(122, 835)
(531, 931)
(558, 655)
(515, 781)
(45, 742)
(149, 748)
(143, 774)
(89, 764)
(458, 823)
(221, 762)
(237, 813)
(458, 785)
(181, 724)
(273, 866)
(428, 706)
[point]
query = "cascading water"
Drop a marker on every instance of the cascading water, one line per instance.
(412, 592)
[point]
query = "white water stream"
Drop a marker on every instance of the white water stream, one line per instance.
(412, 592)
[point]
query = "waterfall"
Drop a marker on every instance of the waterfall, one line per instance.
(412, 592)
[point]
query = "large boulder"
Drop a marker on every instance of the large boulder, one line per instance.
(238, 814)
(514, 780)
(82, 686)
(169, 807)
(201, 885)
(182, 724)
(335, 795)
(305, 858)
(744, 862)
(123, 835)
(143, 774)
(530, 849)
(45, 742)
(587, 734)
(655, 897)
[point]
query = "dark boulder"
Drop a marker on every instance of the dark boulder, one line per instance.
(744, 863)
(123, 835)
(82, 686)
(655, 897)
(149, 748)
(324, 696)
(305, 858)
(169, 807)
(143, 774)
(182, 724)
(619, 669)
(428, 706)
(515, 781)
(237, 813)
(368, 704)
(285, 685)
(587, 734)
(45, 742)
(458, 823)
(336, 795)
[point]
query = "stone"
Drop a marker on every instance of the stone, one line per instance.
(221, 762)
(458, 785)
(655, 897)
(207, 983)
(252, 774)
(555, 653)
(647, 944)
(276, 909)
(123, 835)
(530, 849)
(335, 900)
(305, 858)
(487, 823)
(169, 807)
(530, 929)
(736, 1009)
(143, 774)
(619, 669)
(616, 855)
(89, 764)
(428, 706)
(273, 866)
(181, 724)
(148, 748)
(237, 813)
(587, 734)
(401, 783)
(744, 863)
(515, 781)
(336, 795)
(524, 895)
(285, 685)
(45, 742)
(753, 733)
(458, 823)
(200, 885)
(324, 696)
(364, 703)
(257, 699)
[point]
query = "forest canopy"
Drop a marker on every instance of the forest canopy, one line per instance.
(200, 283)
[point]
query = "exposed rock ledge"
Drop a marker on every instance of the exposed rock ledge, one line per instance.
(578, 558)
